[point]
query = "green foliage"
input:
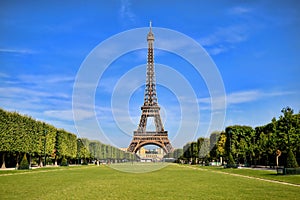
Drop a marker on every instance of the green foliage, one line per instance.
(197, 151)
(24, 163)
(220, 150)
(83, 149)
(213, 141)
(230, 161)
(238, 140)
(204, 147)
(22, 134)
(64, 162)
(95, 148)
(256, 146)
(176, 154)
(291, 160)
(66, 144)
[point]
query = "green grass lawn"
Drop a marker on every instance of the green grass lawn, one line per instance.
(103, 182)
(264, 174)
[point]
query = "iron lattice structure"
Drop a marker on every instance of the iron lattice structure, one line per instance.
(150, 108)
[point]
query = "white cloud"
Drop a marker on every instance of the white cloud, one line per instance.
(33, 94)
(224, 39)
(217, 50)
(51, 79)
(240, 97)
(3, 75)
(243, 97)
(23, 93)
(68, 114)
(239, 10)
(17, 51)
(36, 87)
(126, 12)
(230, 35)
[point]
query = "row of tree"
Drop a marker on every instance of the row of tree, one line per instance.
(40, 142)
(276, 143)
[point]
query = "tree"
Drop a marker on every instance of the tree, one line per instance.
(291, 160)
(187, 154)
(230, 161)
(64, 162)
(83, 149)
(24, 135)
(238, 142)
(24, 163)
(5, 136)
(194, 152)
(220, 151)
(288, 133)
(203, 148)
(66, 145)
(213, 140)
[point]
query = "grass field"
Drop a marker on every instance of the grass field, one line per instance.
(264, 174)
(171, 182)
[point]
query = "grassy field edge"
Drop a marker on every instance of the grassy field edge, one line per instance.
(256, 173)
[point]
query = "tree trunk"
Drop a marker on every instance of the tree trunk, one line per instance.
(277, 163)
(17, 165)
(55, 161)
(40, 161)
(29, 161)
(3, 161)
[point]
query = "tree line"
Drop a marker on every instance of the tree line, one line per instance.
(40, 143)
(274, 144)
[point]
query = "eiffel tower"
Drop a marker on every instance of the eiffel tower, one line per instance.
(141, 136)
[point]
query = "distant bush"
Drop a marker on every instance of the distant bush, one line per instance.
(24, 163)
(291, 160)
(85, 162)
(64, 162)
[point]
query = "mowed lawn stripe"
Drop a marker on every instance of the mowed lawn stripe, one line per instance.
(38, 170)
(172, 182)
(245, 176)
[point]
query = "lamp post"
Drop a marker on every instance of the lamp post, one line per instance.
(45, 133)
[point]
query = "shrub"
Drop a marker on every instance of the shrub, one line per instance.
(24, 163)
(84, 162)
(291, 161)
(64, 162)
(292, 170)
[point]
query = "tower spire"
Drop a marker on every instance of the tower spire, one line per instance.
(150, 98)
(150, 35)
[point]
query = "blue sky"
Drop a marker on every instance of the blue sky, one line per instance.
(254, 44)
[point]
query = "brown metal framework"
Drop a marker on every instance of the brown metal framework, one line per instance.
(159, 137)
